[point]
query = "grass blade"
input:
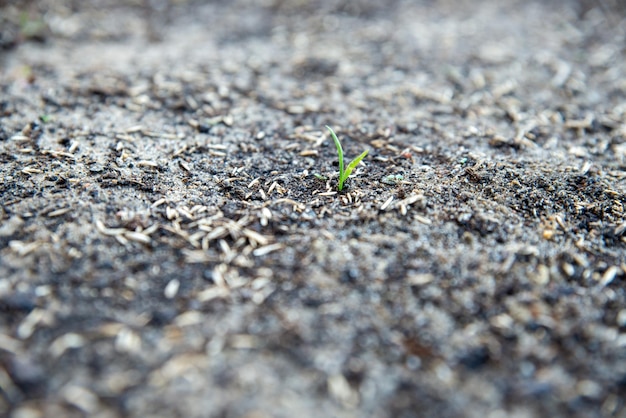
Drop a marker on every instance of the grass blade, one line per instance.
(339, 152)
(354, 163)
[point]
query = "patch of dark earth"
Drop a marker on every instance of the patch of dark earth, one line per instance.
(173, 243)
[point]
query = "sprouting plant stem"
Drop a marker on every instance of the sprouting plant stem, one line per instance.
(339, 154)
(344, 173)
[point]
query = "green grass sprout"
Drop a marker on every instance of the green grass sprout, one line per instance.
(344, 172)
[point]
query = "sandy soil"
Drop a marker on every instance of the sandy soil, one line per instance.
(172, 241)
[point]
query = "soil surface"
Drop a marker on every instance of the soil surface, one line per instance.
(173, 244)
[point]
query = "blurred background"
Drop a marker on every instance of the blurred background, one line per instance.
(40, 20)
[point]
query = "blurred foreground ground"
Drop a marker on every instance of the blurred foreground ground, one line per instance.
(166, 249)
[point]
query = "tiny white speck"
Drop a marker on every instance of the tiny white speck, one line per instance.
(172, 288)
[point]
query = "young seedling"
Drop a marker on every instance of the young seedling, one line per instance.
(344, 172)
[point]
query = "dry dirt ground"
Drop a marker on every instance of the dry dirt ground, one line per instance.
(172, 243)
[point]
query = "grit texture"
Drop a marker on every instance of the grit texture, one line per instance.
(173, 243)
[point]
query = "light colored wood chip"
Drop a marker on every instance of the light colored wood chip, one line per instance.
(585, 168)
(579, 124)
(108, 231)
(420, 279)
(128, 341)
(146, 163)
(217, 146)
(22, 248)
(261, 251)
(171, 289)
(31, 170)
(9, 344)
(189, 318)
(80, 398)
(133, 129)
(57, 154)
(412, 199)
(296, 205)
(214, 292)
(151, 229)
(266, 213)
(58, 212)
(66, 341)
(244, 341)
(609, 275)
(385, 205)
(138, 237)
(255, 237)
(121, 239)
(218, 232)
(198, 256)
(27, 327)
(339, 388)
(171, 213)
(620, 229)
(254, 182)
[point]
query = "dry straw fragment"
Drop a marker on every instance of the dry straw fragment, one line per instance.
(58, 212)
(31, 170)
(9, 344)
(420, 279)
(267, 249)
(57, 154)
(80, 398)
(158, 203)
(214, 292)
(22, 248)
(147, 163)
(609, 275)
(255, 237)
(254, 182)
(387, 203)
(423, 220)
(108, 231)
(243, 341)
(620, 229)
(133, 129)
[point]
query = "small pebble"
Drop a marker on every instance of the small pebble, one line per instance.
(171, 289)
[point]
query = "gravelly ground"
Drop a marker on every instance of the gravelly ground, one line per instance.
(166, 248)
